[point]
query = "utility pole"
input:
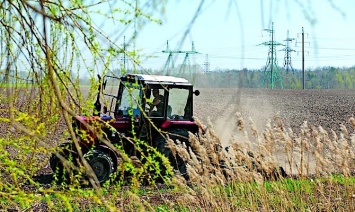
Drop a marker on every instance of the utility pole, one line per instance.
(303, 81)
(272, 72)
(303, 63)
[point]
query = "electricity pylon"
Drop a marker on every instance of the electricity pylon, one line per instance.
(169, 65)
(287, 60)
(272, 73)
(186, 64)
(206, 64)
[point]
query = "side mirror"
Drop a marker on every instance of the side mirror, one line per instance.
(104, 85)
(197, 92)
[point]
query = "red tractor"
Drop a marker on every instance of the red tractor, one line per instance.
(144, 108)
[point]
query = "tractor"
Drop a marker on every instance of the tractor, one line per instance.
(133, 107)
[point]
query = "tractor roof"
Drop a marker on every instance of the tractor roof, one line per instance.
(158, 79)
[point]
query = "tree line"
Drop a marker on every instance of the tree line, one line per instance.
(318, 78)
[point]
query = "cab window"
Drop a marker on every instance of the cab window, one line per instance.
(178, 98)
(130, 100)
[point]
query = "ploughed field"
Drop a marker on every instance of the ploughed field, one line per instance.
(326, 108)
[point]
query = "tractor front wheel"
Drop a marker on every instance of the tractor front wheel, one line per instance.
(61, 175)
(59, 172)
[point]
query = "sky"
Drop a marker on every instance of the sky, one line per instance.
(228, 33)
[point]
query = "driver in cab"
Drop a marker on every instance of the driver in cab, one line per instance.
(158, 103)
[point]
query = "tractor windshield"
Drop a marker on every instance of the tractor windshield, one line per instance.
(128, 104)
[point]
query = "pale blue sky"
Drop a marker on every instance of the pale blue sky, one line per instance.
(229, 31)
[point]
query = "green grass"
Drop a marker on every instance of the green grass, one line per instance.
(334, 193)
(295, 194)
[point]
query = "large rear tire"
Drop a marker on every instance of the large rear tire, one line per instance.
(176, 161)
(101, 163)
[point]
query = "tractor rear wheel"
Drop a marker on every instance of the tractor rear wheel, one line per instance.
(176, 161)
(101, 163)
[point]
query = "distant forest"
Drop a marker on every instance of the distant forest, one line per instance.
(319, 78)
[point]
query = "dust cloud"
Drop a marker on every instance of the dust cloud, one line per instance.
(222, 105)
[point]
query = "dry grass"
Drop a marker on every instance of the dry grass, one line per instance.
(313, 156)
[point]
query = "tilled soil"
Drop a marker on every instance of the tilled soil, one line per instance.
(326, 108)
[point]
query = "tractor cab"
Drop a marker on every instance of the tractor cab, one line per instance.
(150, 103)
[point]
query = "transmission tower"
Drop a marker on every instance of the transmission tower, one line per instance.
(124, 53)
(206, 64)
(125, 61)
(169, 65)
(287, 60)
(186, 65)
(272, 73)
